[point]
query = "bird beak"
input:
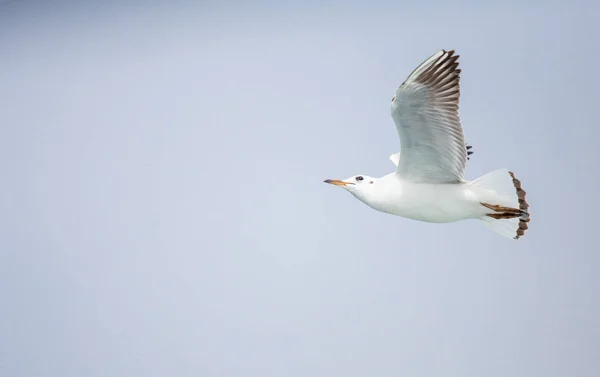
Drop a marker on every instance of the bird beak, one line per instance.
(337, 182)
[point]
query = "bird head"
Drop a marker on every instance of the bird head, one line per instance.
(358, 185)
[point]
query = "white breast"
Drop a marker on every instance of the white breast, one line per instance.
(437, 203)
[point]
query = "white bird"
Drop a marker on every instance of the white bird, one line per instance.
(428, 184)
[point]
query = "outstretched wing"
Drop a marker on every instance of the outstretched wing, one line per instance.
(425, 110)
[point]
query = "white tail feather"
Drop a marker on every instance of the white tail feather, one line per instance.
(501, 190)
(507, 227)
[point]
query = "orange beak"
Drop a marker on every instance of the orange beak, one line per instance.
(337, 182)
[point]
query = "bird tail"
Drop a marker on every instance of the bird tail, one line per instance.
(506, 211)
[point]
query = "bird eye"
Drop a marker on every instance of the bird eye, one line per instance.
(359, 178)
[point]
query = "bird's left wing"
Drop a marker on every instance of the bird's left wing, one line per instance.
(425, 110)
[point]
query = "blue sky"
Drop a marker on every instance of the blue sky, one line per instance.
(164, 211)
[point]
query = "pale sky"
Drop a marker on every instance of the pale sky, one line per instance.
(163, 211)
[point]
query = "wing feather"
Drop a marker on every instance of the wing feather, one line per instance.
(425, 110)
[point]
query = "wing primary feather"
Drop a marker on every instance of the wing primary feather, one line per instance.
(425, 110)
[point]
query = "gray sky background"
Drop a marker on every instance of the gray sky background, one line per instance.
(162, 210)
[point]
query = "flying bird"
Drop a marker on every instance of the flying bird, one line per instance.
(428, 183)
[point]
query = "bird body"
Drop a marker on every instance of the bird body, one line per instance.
(436, 203)
(428, 184)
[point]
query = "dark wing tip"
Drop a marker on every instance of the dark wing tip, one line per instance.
(469, 151)
(442, 76)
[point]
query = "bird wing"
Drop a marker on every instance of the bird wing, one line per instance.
(425, 110)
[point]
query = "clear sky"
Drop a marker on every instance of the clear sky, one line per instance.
(163, 211)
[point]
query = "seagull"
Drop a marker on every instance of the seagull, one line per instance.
(428, 184)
